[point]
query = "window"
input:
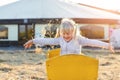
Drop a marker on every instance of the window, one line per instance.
(25, 33)
(93, 31)
(3, 32)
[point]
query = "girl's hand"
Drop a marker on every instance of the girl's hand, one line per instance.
(28, 44)
(111, 49)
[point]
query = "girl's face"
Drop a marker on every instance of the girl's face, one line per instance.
(67, 36)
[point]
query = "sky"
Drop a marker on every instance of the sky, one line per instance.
(107, 4)
(4, 2)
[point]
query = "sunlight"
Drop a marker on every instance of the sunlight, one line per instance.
(111, 4)
(5, 2)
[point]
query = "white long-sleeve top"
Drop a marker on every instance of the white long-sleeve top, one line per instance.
(71, 47)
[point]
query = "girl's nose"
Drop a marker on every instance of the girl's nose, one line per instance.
(64, 35)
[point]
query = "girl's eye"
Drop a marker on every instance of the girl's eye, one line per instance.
(67, 33)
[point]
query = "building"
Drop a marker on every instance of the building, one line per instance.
(25, 19)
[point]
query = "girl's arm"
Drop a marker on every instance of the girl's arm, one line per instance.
(92, 42)
(42, 41)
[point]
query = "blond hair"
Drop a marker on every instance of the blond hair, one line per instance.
(68, 25)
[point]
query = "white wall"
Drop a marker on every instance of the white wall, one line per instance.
(106, 32)
(12, 33)
(39, 30)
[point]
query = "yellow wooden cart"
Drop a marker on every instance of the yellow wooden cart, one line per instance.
(71, 67)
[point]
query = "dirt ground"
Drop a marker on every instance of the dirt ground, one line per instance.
(27, 65)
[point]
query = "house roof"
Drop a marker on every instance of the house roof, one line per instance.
(25, 9)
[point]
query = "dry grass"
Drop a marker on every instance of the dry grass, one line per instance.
(26, 65)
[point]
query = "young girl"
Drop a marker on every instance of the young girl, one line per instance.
(70, 40)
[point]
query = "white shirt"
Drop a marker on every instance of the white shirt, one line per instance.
(71, 47)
